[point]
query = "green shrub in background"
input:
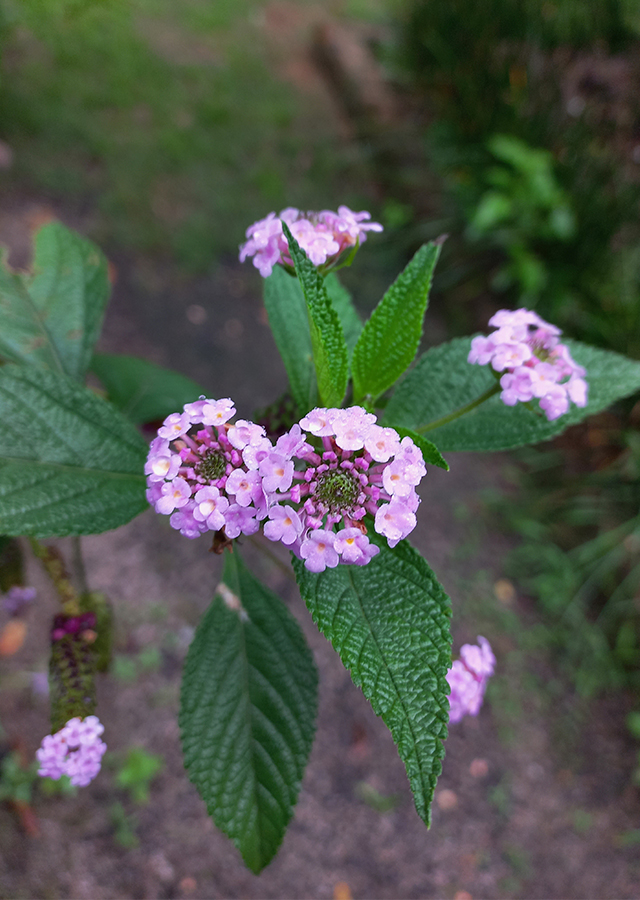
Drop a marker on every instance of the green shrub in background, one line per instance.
(491, 78)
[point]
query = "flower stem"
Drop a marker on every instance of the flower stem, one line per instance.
(461, 411)
(55, 568)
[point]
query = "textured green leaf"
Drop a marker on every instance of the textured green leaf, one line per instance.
(289, 320)
(53, 318)
(347, 313)
(247, 715)
(330, 355)
(390, 339)
(141, 390)
(69, 462)
(389, 621)
(443, 381)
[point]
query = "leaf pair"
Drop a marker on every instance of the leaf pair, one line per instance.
(317, 330)
(249, 687)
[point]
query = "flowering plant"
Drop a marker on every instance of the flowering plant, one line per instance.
(332, 474)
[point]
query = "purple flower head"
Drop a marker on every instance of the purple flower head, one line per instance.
(534, 362)
(344, 467)
(468, 677)
(18, 598)
(206, 478)
(76, 750)
(324, 236)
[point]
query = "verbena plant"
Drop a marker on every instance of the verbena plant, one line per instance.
(330, 481)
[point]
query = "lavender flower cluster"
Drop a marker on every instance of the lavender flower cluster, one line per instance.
(312, 489)
(324, 236)
(536, 365)
(468, 679)
(76, 750)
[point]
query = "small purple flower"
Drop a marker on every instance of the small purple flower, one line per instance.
(324, 236)
(344, 468)
(17, 599)
(76, 750)
(207, 478)
(534, 362)
(468, 677)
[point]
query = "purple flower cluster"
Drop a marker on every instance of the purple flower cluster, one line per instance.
(312, 488)
(536, 365)
(76, 750)
(324, 236)
(204, 473)
(356, 467)
(17, 599)
(468, 677)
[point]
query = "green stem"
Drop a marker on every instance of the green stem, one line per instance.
(461, 411)
(55, 568)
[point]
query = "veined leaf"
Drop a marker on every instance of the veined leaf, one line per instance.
(443, 381)
(69, 462)
(247, 715)
(141, 390)
(53, 318)
(330, 355)
(289, 320)
(389, 621)
(390, 339)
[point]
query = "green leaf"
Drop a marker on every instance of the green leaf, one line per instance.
(53, 318)
(390, 339)
(347, 313)
(330, 355)
(69, 462)
(141, 390)
(389, 621)
(430, 452)
(247, 715)
(289, 320)
(443, 381)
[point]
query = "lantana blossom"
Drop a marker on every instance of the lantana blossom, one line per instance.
(202, 471)
(344, 466)
(76, 750)
(324, 236)
(468, 677)
(535, 364)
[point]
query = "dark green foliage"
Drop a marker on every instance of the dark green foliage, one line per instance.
(389, 621)
(443, 381)
(69, 462)
(141, 390)
(390, 338)
(247, 713)
(330, 354)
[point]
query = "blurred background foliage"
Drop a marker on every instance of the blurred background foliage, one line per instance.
(517, 133)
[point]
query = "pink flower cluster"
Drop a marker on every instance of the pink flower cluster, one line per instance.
(312, 488)
(468, 679)
(324, 236)
(536, 365)
(76, 750)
